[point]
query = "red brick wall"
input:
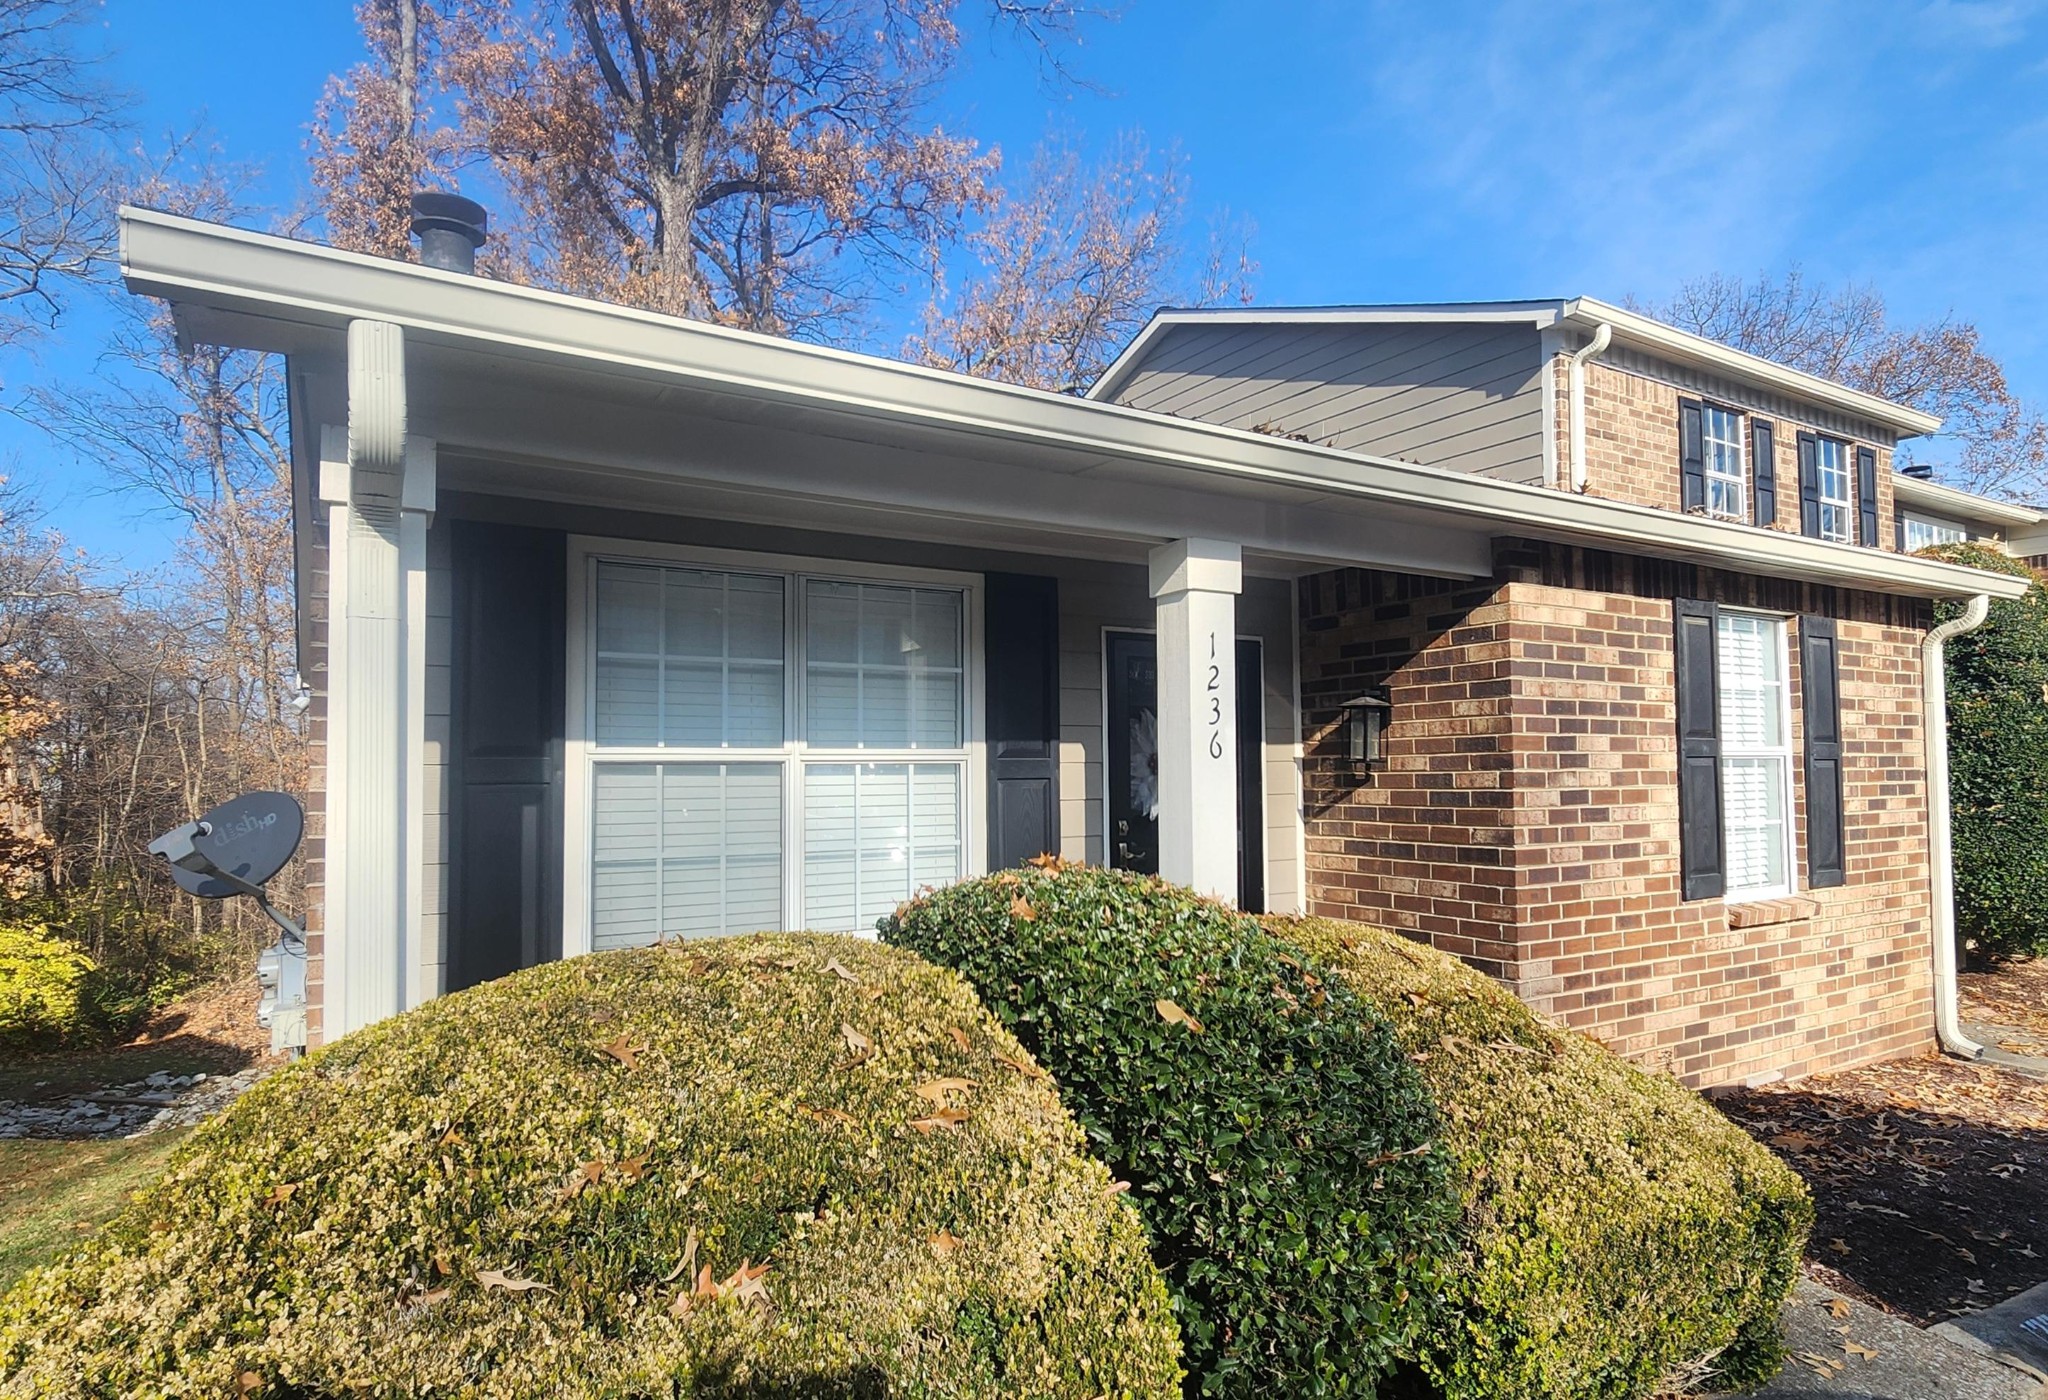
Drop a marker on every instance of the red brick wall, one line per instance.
(1528, 819)
(1632, 440)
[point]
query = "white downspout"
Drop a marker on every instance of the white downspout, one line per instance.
(1940, 849)
(1603, 335)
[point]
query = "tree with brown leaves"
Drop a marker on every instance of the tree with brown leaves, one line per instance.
(1846, 334)
(755, 162)
(1070, 268)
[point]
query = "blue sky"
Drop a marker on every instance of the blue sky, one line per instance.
(1385, 151)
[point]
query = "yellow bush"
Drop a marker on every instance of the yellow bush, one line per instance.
(41, 981)
(775, 1165)
(1617, 1229)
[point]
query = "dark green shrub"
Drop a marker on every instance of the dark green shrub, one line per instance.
(1617, 1229)
(1998, 766)
(1282, 1150)
(636, 1133)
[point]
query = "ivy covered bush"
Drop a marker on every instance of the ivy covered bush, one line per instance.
(765, 1166)
(1281, 1148)
(1998, 766)
(1617, 1230)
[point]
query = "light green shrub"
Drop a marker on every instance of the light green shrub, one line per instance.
(630, 1133)
(1282, 1150)
(1616, 1227)
(45, 998)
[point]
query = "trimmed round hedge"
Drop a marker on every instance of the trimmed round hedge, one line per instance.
(1282, 1149)
(775, 1165)
(1998, 765)
(1617, 1230)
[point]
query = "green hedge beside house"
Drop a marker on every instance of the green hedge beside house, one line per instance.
(1617, 1230)
(1283, 1151)
(765, 1166)
(1998, 765)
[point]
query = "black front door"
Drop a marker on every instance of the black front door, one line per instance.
(1131, 661)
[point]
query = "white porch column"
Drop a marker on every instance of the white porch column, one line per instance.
(369, 754)
(1195, 584)
(417, 512)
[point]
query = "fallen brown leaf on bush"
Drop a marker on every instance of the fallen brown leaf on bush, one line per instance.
(859, 1045)
(960, 1038)
(1023, 1067)
(281, 1193)
(1021, 910)
(937, 1089)
(944, 1118)
(1171, 1013)
(838, 969)
(944, 1243)
(622, 1049)
(498, 1278)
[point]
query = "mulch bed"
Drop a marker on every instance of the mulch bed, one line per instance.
(1929, 1175)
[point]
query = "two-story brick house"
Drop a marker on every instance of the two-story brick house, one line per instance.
(1549, 807)
(618, 626)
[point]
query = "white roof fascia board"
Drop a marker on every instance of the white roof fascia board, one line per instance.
(1949, 500)
(1583, 313)
(186, 259)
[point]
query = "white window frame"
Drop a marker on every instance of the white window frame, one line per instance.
(582, 753)
(1932, 532)
(1846, 502)
(1739, 478)
(1782, 751)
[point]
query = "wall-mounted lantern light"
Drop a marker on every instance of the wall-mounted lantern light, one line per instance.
(1365, 727)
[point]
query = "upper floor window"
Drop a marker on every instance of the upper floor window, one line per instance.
(1721, 434)
(1831, 477)
(1920, 534)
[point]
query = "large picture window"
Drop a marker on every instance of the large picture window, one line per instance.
(1756, 755)
(769, 749)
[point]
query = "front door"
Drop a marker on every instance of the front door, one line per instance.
(1131, 664)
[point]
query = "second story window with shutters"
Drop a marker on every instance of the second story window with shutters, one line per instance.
(1726, 490)
(1831, 480)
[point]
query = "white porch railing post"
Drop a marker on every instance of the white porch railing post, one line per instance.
(1195, 583)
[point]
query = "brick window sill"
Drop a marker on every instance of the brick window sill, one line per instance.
(1758, 913)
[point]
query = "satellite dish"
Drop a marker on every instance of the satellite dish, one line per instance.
(249, 837)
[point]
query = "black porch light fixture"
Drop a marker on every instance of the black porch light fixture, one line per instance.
(1365, 729)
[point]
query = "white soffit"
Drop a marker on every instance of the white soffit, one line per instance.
(257, 289)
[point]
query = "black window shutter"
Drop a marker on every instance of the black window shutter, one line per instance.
(1763, 456)
(1809, 485)
(1898, 530)
(1699, 749)
(1692, 456)
(1821, 710)
(1023, 616)
(1866, 496)
(509, 640)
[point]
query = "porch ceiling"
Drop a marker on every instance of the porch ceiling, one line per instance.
(558, 396)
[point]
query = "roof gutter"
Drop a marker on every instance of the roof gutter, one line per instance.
(261, 285)
(1940, 845)
(1603, 336)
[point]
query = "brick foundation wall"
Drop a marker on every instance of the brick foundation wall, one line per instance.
(1632, 438)
(1527, 818)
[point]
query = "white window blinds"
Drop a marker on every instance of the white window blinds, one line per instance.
(687, 658)
(1756, 758)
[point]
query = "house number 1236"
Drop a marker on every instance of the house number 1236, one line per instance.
(1215, 702)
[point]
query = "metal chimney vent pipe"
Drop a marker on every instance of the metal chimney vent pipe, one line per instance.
(450, 230)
